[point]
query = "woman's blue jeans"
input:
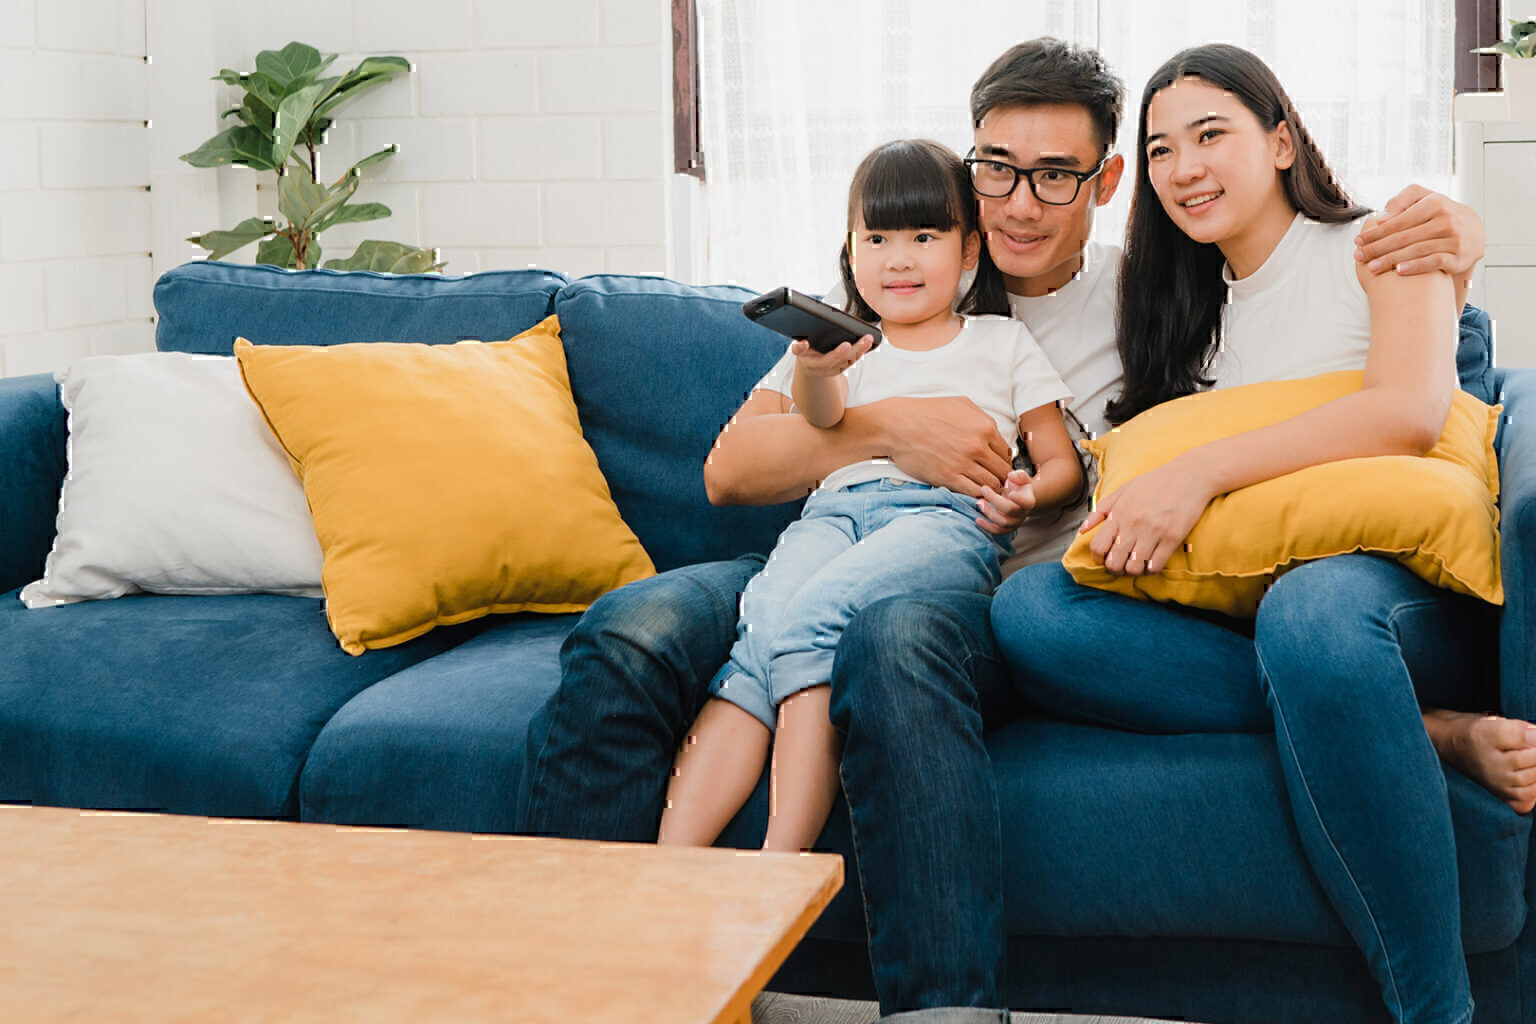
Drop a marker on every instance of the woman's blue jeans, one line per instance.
(1342, 654)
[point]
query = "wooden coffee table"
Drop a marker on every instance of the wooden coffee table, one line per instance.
(147, 917)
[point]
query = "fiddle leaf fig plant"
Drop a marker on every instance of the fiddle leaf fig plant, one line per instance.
(1521, 41)
(284, 113)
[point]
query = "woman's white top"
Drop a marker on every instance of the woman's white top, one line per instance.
(993, 361)
(1302, 313)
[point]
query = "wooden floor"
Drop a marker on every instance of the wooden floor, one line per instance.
(774, 1008)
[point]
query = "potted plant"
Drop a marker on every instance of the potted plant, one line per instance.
(1519, 68)
(285, 110)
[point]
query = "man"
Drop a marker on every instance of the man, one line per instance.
(917, 680)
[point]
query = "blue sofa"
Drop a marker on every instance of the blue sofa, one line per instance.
(245, 706)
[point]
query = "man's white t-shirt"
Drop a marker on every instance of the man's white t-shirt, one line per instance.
(993, 361)
(1075, 327)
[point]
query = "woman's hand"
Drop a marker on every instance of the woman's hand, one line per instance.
(1143, 523)
(1005, 511)
(828, 364)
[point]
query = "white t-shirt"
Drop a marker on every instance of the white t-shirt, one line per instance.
(1075, 327)
(1302, 313)
(993, 361)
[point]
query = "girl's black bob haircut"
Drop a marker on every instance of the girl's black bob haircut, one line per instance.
(911, 184)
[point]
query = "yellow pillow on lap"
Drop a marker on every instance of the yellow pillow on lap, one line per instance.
(1435, 514)
(446, 482)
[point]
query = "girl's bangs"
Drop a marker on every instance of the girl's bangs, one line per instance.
(906, 191)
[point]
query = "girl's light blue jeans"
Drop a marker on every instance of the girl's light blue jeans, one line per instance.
(849, 548)
(1340, 658)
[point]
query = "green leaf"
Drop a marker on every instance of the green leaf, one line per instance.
(229, 77)
(1526, 47)
(1519, 30)
(352, 214)
(292, 63)
(292, 115)
(1507, 49)
(371, 72)
(333, 198)
(265, 90)
(239, 145)
(258, 115)
(298, 198)
(372, 158)
(277, 252)
(221, 243)
(388, 258)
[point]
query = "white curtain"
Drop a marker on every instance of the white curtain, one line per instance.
(793, 93)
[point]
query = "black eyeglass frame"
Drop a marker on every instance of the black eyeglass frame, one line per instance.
(1028, 174)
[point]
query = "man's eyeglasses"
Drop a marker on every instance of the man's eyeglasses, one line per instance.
(1054, 186)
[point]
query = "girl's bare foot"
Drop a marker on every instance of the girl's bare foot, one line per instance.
(1499, 753)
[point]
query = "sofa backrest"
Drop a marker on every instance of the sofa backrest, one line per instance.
(657, 368)
(204, 306)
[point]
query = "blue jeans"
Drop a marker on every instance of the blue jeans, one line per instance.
(1342, 654)
(849, 547)
(915, 682)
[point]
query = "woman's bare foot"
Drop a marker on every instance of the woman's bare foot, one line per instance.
(1499, 753)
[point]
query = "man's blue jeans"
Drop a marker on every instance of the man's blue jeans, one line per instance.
(1342, 654)
(914, 683)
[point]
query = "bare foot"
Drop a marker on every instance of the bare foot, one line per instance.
(1499, 753)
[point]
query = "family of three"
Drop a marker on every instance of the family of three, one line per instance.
(868, 653)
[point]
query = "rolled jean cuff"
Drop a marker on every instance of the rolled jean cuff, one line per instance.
(746, 693)
(798, 670)
(948, 1015)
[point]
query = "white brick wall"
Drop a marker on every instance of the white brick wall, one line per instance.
(532, 134)
(74, 178)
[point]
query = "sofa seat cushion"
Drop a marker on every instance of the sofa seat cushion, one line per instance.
(1114, 833)
(440, 744)
(205, 305)
(192, 705)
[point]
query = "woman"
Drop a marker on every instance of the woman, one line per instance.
(1239, 268)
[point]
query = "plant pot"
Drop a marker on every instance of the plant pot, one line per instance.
(1520, 87)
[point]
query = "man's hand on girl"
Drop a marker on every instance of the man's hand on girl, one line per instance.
(829, 364)
(1143, 523)
(945, 442)
(1420, 231)
(1005, 511)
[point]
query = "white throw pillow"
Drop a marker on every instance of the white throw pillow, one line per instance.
(175, 486)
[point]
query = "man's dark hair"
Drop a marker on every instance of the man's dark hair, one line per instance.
(1047, 70)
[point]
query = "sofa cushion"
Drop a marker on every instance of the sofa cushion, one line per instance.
(446, 481)
(193, 705)
(1116, 833)
(440, 744)
(657, 369)
(204, 306)
(1448, 534)
(175, 486)
(33, 426)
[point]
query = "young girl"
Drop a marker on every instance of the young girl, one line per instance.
(871, 531)
(1239, 268)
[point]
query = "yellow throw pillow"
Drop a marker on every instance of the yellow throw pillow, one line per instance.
(1435, 514)
(446, 481)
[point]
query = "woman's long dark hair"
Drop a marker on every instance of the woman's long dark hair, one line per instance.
(911, 184)
(1171, 291)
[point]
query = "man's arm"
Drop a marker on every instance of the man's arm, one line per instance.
(1419, 232)
(767, 454)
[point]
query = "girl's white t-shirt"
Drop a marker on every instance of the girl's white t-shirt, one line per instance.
(993, 361)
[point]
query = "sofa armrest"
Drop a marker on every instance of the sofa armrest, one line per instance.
(33, 432)
(1516, 389)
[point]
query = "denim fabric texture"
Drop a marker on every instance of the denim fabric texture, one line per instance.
(205, 305)
(850, 547)
(1343, 652)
